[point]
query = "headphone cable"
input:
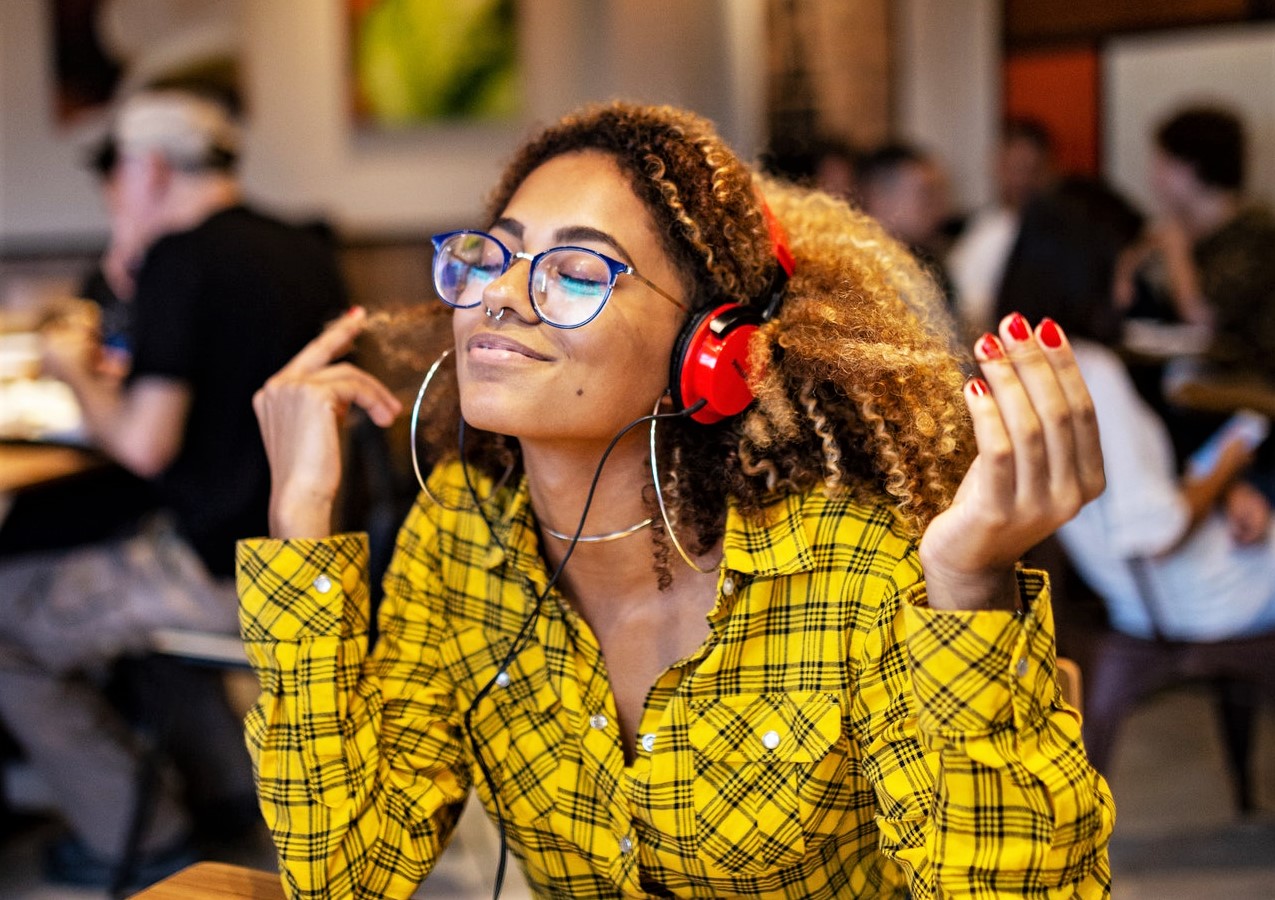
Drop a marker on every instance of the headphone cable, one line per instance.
(514, 648)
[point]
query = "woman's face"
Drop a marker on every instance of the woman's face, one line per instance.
(521, 377)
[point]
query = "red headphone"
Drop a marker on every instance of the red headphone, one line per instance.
(710, 355)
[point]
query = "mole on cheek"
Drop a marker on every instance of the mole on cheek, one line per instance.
(579, 392)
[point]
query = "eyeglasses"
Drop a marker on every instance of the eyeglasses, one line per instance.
(568, 285)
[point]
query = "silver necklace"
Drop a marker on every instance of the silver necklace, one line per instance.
(600, 538)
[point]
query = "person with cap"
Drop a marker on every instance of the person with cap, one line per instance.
(223, 295)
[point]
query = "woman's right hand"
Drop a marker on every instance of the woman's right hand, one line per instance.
(300, 410)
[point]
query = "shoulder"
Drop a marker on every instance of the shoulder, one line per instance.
(825, 536)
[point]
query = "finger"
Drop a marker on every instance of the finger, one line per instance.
(1026, 435)
(353, 385)
(993, 474)
(1053, 413)
(335, 341)
(1084, 419)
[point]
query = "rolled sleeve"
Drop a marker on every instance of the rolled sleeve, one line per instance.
(977, 672)
(290, 590)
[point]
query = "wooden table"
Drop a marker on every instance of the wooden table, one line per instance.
(1222, 393)
(215, 881)
(25, 466)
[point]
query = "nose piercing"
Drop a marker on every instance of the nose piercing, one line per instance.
(497, 316)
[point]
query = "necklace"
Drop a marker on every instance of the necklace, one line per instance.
(601, 538)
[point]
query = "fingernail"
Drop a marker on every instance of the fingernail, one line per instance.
(353, 310)
(989, 348)
(1050, 334)
(1018, 328)
(977, 386)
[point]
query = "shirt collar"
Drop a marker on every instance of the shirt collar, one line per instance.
(772, 543)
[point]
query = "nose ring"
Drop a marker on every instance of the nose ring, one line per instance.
(497, 316)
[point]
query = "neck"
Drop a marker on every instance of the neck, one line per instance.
(559, 477)
(194, 197)
(1209, 212)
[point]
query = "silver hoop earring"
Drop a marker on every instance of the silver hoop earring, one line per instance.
(416, 466)
(659, 499)
(497, 316)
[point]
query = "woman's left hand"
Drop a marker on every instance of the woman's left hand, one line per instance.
(1038, 462)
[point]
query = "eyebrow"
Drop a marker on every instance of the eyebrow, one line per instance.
(570, 234)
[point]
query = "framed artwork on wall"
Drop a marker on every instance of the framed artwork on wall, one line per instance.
(416, 62)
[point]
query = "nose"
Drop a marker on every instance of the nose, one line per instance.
(510, 292)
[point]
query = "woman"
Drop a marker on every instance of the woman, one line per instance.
(1185, 556)
(741, 684)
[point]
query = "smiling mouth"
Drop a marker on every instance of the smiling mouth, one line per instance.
(501, 344)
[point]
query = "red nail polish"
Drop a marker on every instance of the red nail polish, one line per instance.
(352, 310)
(978, 387)
(1049, 333)
(1018, 328)
(989, 348)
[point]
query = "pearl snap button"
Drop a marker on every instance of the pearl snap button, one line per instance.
(770, 740)
(1022, 667)
(648, 742)
(502, 680)
(598, 721)
(323, 584)
(626, 845)
(728, 586)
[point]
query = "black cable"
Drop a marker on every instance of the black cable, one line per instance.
(535, 608)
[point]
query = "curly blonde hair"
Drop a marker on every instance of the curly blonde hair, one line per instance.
(857, 388)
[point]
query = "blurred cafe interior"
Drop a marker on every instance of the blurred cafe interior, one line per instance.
(366, 117)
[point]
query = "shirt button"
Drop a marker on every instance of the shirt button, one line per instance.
(626, 845)
(728, 586)
(502, 680)
(323, 584)
(770, 740)
(648, 742)
(597, 721)
(1022, 667)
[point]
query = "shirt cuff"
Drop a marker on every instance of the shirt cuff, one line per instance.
(292, 590)
(981, 671)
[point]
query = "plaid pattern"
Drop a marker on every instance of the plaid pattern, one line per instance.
(833, 737)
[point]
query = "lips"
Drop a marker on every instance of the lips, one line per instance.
(496, 343)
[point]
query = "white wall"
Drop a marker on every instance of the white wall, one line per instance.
(948, 87)
(1145, 79)
(44, 187)
(302, 155)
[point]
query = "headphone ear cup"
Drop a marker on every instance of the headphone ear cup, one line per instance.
(710, 362)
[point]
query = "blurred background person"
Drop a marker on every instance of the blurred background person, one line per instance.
(905, 190)
(1182, 552)
(1216, 246)
(1201, 539)
(827, 162)
(222, 295)
(1024, 167)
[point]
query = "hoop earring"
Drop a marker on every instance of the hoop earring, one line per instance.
(659, 499)
(416, 466)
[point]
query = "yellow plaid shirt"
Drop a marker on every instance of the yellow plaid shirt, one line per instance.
(831, 738)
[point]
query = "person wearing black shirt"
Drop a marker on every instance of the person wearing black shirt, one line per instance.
(224, 296)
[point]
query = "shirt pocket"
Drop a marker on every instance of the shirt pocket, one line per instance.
(765, 777)
(517, 727)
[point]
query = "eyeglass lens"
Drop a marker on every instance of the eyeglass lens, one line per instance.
(568, 285)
